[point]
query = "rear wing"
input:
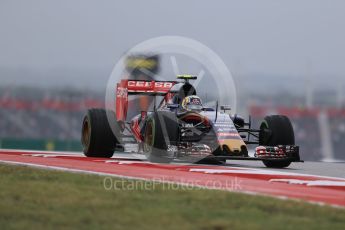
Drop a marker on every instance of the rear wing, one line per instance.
(138, 87)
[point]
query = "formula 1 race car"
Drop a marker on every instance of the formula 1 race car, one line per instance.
(181, 128)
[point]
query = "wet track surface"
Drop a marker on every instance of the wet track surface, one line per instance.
(315, 168)
(330, 169)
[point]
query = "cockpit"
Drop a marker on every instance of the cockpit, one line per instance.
(181, 90)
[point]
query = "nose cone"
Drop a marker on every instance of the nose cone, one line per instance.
(234, 147)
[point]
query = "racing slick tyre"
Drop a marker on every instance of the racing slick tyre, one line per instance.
(276, 130)
(97, 137)
(160, 135)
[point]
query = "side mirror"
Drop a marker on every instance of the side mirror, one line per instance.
(225, 108)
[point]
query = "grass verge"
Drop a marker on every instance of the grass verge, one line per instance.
(33, 198)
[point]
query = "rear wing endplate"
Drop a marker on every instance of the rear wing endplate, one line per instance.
(138, 87)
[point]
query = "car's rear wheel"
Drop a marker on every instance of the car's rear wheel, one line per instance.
(97, 137)
(160, 135)
(276, 130)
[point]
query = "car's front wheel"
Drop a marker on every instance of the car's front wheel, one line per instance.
(160, 136)
(276, 130)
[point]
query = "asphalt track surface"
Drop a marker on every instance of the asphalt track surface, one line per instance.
(331, 169)
(315, 182)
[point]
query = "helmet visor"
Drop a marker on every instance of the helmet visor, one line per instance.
(194, 107)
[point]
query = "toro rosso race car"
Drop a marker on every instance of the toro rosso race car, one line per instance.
(180, 128)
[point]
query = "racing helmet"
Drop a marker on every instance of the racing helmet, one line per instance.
(192, 103)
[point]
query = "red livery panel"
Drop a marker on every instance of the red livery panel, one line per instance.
(132, 87)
